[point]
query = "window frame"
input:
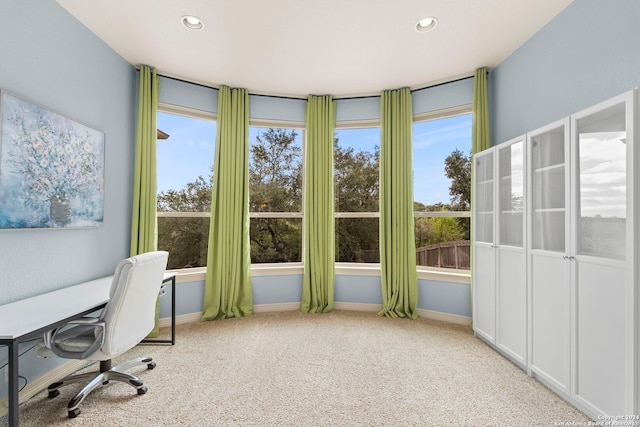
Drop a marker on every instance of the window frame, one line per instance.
(192, 113)
(186, 275)
(358, 268)
(436, 273)
(282, 268)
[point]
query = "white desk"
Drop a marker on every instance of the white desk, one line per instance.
(29, 318)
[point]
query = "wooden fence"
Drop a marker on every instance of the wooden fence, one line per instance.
(445, 255)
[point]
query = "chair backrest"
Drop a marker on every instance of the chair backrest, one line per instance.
(130, 313)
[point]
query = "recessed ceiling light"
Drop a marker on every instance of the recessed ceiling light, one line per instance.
(191, 22)
(426, 24)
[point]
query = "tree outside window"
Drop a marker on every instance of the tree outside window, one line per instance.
(185, 152)
(357, 187)
(442, 191)
(275, 195)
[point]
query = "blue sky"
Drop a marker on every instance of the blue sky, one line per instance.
(190, 151)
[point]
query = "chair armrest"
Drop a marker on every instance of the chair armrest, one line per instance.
(98, 329)
(84, 321)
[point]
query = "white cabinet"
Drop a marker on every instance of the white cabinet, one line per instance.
(549, 270)
(484, 257)
(602, 257)
(582, 274)
(499, 274)
(511, 280)
(555, 277)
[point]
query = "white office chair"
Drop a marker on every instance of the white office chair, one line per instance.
(126, 320)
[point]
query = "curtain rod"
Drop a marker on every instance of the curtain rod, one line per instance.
(302, 99)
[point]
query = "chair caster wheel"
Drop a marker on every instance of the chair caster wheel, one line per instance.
(151, 365)
(74, 413)
(54, 393)
(142, 390)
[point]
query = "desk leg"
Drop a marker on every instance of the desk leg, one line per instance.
(172, 341)
(173, 310)
(13, 384)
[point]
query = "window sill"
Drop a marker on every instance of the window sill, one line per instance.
(187, 275)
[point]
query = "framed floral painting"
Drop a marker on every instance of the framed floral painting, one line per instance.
(51, 168)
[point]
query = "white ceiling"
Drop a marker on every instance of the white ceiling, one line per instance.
(300, 47)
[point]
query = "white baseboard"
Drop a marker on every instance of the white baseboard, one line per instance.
(269, 308)
(181, 319)
(37, 385)
(444, 317)
(347, 306)
(354, 306)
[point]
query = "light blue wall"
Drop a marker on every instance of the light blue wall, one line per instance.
(589, 53)
(184, 94)
(444, 297)
(447, 95)
(57, 63)
(262, 107)
(51, 59)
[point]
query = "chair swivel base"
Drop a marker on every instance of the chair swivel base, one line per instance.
(98, 379)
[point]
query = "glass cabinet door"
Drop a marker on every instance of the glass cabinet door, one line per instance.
(511, 194)
(548, 190)
(484, 197)
(601, 183)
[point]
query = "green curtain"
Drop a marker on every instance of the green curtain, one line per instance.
(227, 290)
(479, 134)
(480, 130)
(397, 239)
(319, 251)
(144, 227)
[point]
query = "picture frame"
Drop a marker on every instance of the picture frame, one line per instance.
(51, 168)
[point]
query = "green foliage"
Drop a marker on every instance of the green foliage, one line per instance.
(275, 172)
(457, 167)
(185, 239)
(275, 179)
(276, 240)
(357, 178)
(275, 182)
(357, 240)
(436, 230)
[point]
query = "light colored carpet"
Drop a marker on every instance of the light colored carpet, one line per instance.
(337, 369)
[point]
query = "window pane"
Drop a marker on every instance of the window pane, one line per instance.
(356, 169)
(602, 183)
(275, 170)
(442, 183)
(357, 240)
(185, 239)
(276, 240)
(443, 242)
(442, 164)
(185, 154)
